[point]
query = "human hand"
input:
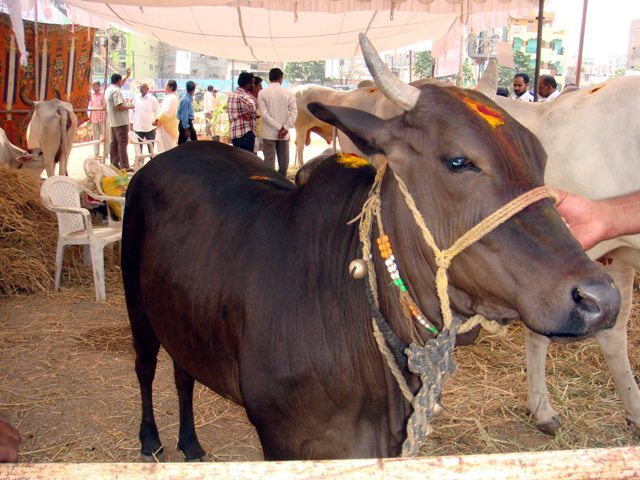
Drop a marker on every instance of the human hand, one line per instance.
(584, 218)
(282, 133)
(9, 442)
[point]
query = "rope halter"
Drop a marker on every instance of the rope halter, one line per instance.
(432, 360)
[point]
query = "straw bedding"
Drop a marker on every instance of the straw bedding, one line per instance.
(28, 237)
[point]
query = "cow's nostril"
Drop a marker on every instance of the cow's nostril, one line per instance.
(586, 300)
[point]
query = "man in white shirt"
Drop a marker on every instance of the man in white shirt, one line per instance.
(118, 115)
(211, 102)
(145, 111)
(279, 112)
(521, 88)
(547, 88)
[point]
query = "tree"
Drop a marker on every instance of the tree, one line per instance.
(306, 72)
(619, 72)
(422, 65)
(524, 64)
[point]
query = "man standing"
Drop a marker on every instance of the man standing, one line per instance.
(96, 102)
(118, 114)
(279, 112)
(211, 103)
(241, 107)
(547, 88)
(521, 88)
(185, 115)
(145, 111)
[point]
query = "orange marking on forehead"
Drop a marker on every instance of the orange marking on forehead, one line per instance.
(595, 89)
(259, 177)
(491, 116)
(373, 90)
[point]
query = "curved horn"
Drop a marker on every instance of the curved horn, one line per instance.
(26, 100)
(489, 81)
(403, 95)
(56, 92)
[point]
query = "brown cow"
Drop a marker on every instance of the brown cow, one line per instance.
(52, 129)
(245, 281)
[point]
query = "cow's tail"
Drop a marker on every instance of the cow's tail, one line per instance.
(65, 124)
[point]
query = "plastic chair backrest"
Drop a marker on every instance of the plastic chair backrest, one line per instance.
(61, 191)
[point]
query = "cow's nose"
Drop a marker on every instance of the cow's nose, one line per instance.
(597, 303)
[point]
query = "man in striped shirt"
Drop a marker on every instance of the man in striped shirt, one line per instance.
(241, 107)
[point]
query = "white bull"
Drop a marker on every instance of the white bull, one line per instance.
(15, 157)
(52, 129)
(367, 98)
(591, 139)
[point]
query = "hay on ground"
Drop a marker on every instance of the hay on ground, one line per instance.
(28, 238)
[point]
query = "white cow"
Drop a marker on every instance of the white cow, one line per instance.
(52, 129)
(592, 139)
(15, 157)
(367, 97)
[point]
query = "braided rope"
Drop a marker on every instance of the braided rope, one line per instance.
(443, 257)
(433, 360)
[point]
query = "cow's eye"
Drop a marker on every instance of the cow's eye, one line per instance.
(458, 164)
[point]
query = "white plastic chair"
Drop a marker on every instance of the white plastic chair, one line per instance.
(141, 147)
(61, 195)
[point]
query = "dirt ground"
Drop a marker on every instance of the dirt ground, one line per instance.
(67, 382)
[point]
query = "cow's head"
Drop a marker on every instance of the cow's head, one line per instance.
(462, 158)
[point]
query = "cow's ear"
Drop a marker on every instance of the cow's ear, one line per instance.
(366, 131)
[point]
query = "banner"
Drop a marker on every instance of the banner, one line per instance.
(64, 65)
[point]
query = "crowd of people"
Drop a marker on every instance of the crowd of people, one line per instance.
(259, 119)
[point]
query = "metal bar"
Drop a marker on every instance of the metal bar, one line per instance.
(538, 49)
(582, 29)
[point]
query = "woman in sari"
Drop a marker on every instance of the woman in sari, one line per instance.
(167, 121)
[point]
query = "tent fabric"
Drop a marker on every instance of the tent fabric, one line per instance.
(294, 30)
(64, 61)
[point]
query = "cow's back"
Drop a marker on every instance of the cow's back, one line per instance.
(205, 227)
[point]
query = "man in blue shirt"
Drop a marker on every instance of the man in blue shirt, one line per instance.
(185, 115)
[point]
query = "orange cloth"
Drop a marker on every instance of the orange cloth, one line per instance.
(66, 68)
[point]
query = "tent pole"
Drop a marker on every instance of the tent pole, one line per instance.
(582, 28)
(105, 134)
(538, 49)
(36, 62)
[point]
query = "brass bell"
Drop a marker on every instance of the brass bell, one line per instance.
(358, 269)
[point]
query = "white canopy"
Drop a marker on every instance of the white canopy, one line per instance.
(295, 30)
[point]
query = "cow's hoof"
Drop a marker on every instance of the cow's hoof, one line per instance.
(635, 429)
(193, 454)
(551, 427)
(155, 457)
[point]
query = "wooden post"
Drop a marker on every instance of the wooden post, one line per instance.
(588, 464)
(538, 48)
(582, 28)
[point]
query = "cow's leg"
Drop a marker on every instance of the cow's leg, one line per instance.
(538, 396)
(188, 441)
(146, 345)
(613, 344)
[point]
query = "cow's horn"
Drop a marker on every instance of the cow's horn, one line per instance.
(56, 92)
(23, 97)
(489, 81)
(403, 95)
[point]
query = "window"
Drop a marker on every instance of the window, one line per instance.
(531, 46)
(517, 43)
